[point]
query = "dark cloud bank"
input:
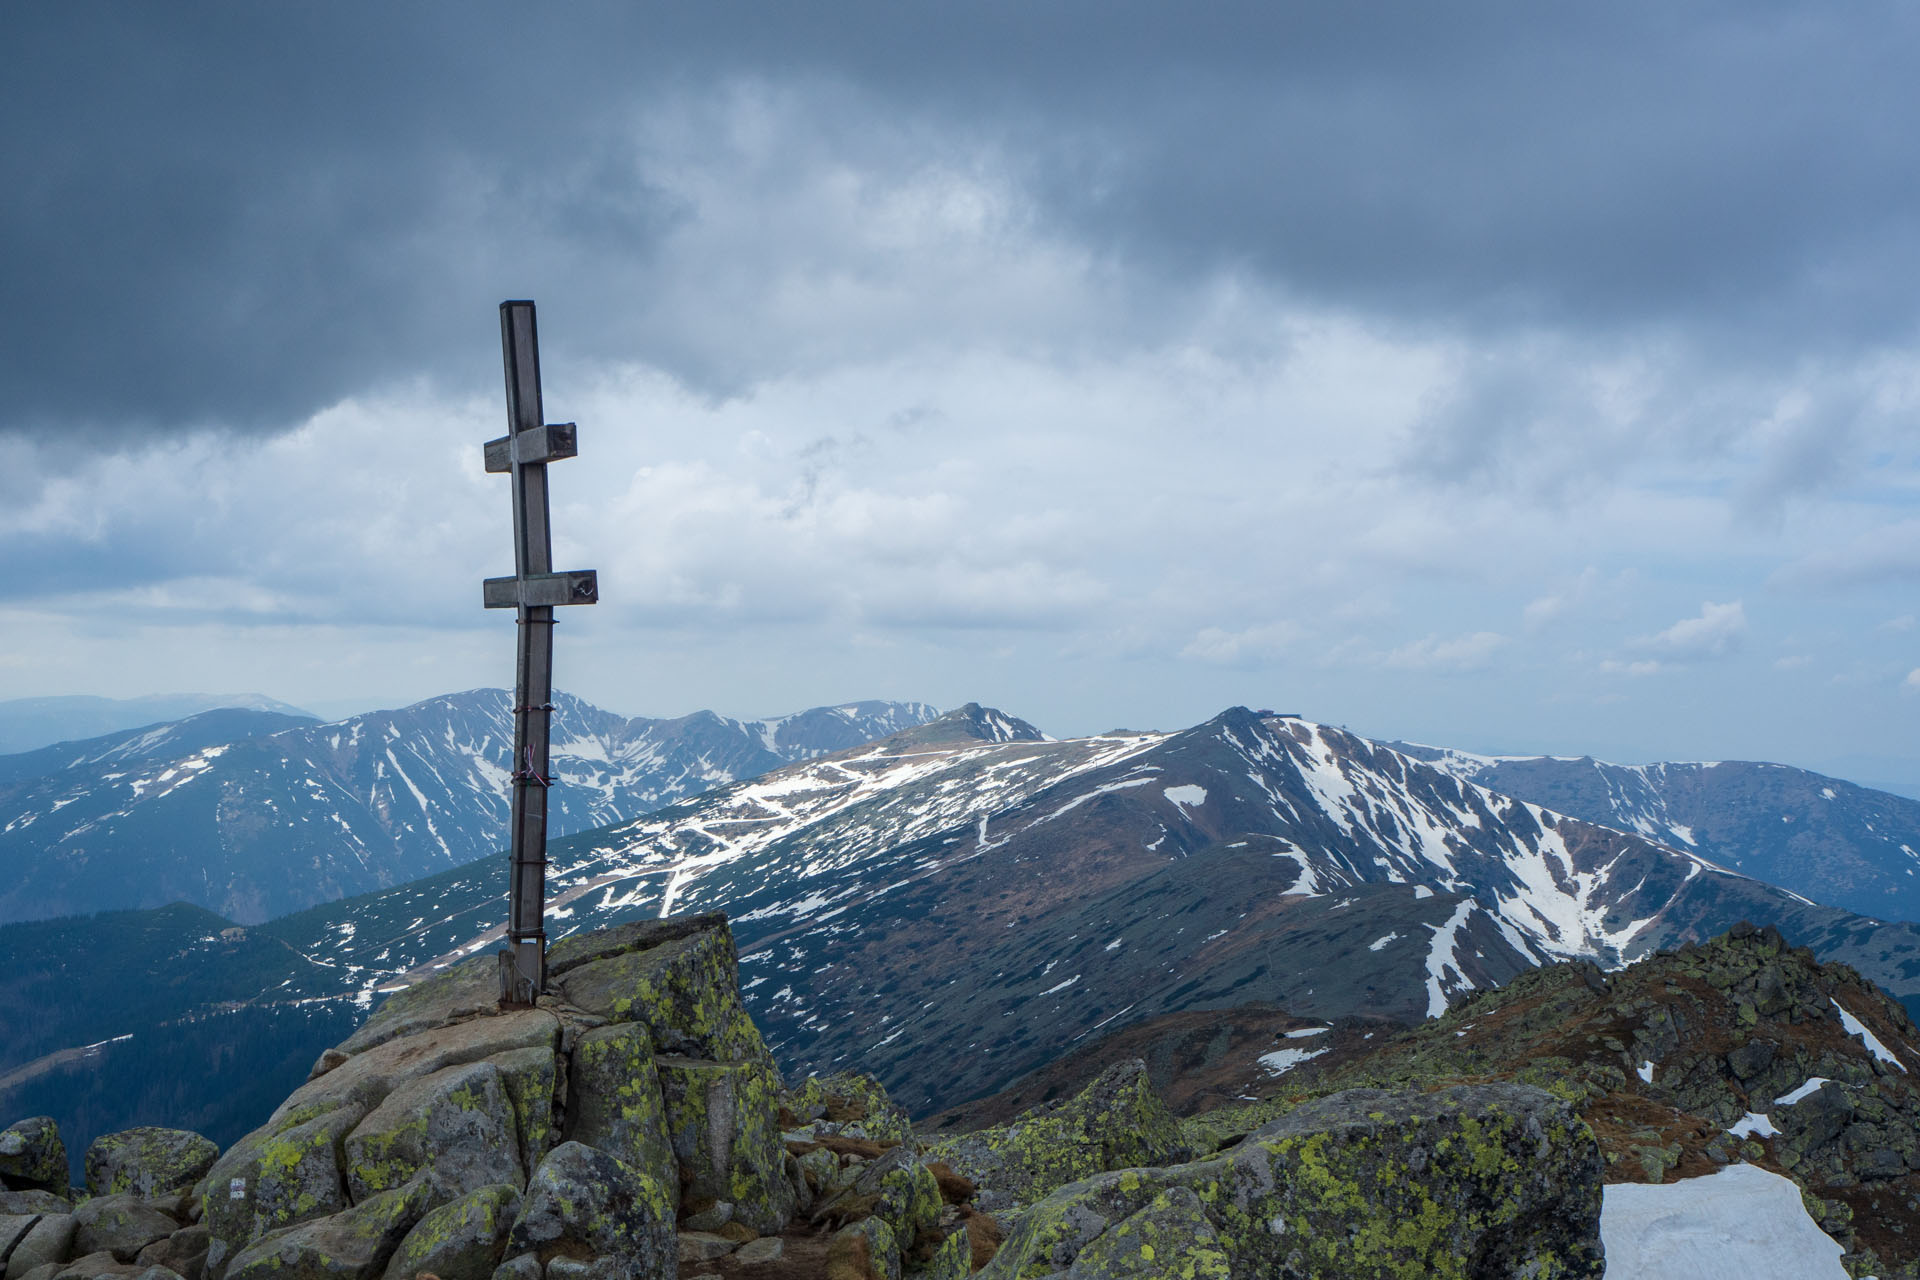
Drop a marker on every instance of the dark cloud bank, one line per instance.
(233, 215)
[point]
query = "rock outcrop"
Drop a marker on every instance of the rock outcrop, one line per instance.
(1495, 1180)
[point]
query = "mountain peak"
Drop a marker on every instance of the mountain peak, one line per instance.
(963, 725)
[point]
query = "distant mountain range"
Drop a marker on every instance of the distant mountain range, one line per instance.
(1837, 843)
(254, 814)
(969, 887)
(27, 723)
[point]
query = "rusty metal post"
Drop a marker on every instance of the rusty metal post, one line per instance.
(534, 591)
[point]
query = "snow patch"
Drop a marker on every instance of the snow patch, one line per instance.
(1855, 1027)
(1741, 1223)
(1281, 1061)
(1804, 1092)
(1754, 1125)
(1186, 796)
(1645, 1072)
(1380, 944)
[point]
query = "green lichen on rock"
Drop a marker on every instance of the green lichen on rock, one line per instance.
(462, 1239)
(32, 1157)
(583, 1202)
(272, 1179)
(122, 1225)
(1360, 1184)
(148, 1161)
(1117, 1122)
(723, 1125)
(1168, 1237)
(458, 1121)
(531, 1076)
(850, 1104)
(952, 1259)
(867, 1250)
(615, 1102)
(353, 1245)
(685, 990)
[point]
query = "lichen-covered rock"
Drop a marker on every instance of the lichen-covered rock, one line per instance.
(584, 1201)
(275, 1178)
(122, 1225)
(723, 1124)
(354, 1245)
(684, 988)
(866, 1250)
(849, 1104)
(32, 1157)
(614, 1102)
(148, 1161)
(458, 1122)
(49, 1238)
(531, 1076)
(952, 1259)
(462, 1239)
(902, 1192)
(1117, 1122)
(1477, 1181)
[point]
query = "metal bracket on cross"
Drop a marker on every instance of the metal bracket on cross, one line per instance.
(534, 590)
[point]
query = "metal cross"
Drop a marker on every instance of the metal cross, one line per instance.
(534, 590)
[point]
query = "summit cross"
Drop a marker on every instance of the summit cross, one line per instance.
(534, 590)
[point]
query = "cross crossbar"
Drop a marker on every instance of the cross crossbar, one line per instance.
(534, 590)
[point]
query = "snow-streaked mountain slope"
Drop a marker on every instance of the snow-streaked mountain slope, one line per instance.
(954, 913)
(254, 825)
(1826, 839)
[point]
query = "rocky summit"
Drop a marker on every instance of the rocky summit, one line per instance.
(633, 1125)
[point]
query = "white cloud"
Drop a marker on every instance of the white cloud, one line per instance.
(1642, 667)
(1714, 633)
(1244, 647)
(1473, 652)
(1792, 662)
(1912, 682)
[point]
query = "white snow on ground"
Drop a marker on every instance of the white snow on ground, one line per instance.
(1187, 795)
(1805, 1091)
(1645, 1072)
(1855, 1027)
(1421, 891)
(1378, 943)
(1442, 957)
(1741, 1223)
(1281, 1061)
(1753, 1124)
(1304, 1032)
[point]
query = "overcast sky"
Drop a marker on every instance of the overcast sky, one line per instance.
(1514, 377)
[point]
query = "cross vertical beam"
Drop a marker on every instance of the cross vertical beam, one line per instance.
(534, 590)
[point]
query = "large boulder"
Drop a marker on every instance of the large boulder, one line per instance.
(679, 979)
(48, 1238)
(462, 1239)
(32, 1157)
(723, 1122)
(458, 1122)
(148, 1161)
(1117, 1122)
(275, 1177)
(122, 1225)
(616, 1106)
(1484, 1180)
(352, 1245)
(583, 1202)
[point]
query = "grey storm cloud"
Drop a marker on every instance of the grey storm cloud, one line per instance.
(234, 215)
